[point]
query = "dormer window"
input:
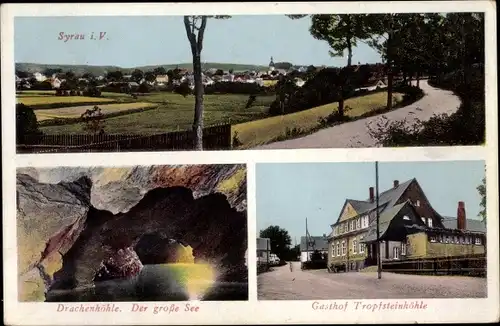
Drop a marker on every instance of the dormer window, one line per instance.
(429, 222)
(423, 220)
(417, 203)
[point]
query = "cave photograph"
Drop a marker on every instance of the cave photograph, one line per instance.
(133, 233)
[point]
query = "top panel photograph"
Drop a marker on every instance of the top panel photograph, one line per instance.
(248, 82)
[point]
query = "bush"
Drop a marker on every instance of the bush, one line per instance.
(42, 86)
(92, 91)
(318, 264)
(237, 88)
(183, 89)
(411, 93)
(335, 118)
(143, 88)
(26, 124)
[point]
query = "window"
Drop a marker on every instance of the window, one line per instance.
(461, 240)
(406, 218)
(446, 239)
(358, 223)
(429, 222)
(423, 220)
(333, 249)
(344, 249)
(354, 246)
(365, 221)
(338, 248)
(403, 249)
(352, 226)
(417, 203)
(478, 241)
(456, 239)
(395, 252)
(361, 248)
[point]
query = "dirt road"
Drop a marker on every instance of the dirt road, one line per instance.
(355, 134)
(283, 284)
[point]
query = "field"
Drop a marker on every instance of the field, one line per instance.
(76, 111)
(35, 99)
(262, 131)
(175, 112)
(172, 112)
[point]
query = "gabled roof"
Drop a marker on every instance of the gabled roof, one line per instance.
(387, 198)
(319, 243)
(470, 225)
(385, 220)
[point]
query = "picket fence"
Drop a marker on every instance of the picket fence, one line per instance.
(216, 137)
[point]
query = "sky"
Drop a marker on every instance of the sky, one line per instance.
(288, 193)
(132, 41)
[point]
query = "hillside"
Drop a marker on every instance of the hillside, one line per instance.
(101, 70)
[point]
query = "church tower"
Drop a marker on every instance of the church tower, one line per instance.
(271, 65)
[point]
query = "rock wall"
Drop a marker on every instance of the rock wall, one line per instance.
(72, 224)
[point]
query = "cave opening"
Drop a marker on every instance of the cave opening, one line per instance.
(168, 247)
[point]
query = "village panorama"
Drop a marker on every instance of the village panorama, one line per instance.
(423, 85)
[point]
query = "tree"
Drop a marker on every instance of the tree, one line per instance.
(26, 124)
(280, 240)
(195, 30)
(341, 32)
(150, 76)
(114, 76)
(88, 75)
(51, 71)
(22, 74)
(482, 192)
(383, 29)
(159, 71)
(137, 75)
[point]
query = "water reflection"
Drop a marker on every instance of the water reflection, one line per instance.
(162, 282)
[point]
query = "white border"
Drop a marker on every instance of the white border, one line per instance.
(440, 310)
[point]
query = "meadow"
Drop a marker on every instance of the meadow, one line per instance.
(77, 111)
(173, 112)
(258, 132)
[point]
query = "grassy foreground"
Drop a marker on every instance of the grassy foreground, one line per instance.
(175, 112)
(258, 132)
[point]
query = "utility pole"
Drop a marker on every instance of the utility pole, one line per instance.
(379, 262)
(307, 242)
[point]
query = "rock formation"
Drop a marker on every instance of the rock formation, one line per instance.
(78, 227)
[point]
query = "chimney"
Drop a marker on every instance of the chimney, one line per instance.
(461, 219)
(396, 184)
(372, 194)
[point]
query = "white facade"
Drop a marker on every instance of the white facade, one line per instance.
(39, 77)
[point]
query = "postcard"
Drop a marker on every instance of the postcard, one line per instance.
(250, 163)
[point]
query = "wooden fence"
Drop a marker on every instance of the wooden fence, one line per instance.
(214, 138)
(474, 265)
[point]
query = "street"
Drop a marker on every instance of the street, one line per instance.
(283, 284)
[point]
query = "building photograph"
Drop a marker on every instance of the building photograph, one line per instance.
(374, 230)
